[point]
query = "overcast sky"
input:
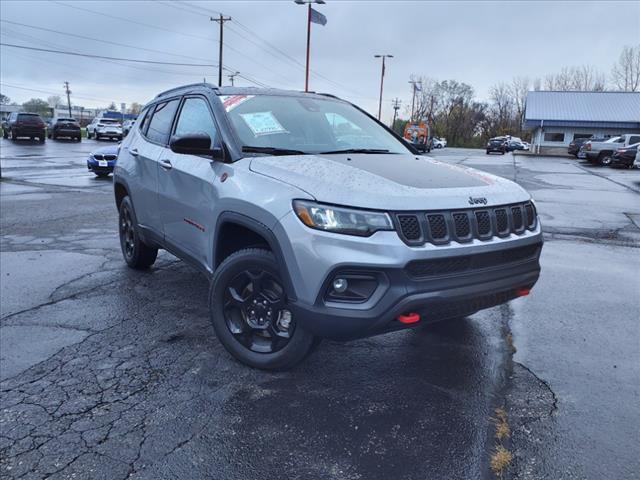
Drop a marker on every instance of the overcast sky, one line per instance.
(480, 43)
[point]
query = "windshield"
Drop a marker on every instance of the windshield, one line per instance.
(280, 124)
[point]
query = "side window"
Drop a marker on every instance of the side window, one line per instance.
(634, 139)
(160, 123)
(196, 117)
(145, 117)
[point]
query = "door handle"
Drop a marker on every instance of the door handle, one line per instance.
(134, 152)
(166, 164)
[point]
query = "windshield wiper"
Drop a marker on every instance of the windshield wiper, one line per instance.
(357, 150)
(272, 150)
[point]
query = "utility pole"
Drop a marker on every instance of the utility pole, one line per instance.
(396, 107)
(231, 76)
(221, 21)
(413, 97)
(308, 3)
(381, 82)
(68, 92)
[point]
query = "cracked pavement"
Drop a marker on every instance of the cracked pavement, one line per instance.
(112, 373)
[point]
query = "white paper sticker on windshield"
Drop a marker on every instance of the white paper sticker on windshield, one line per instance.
(229, 102)
(263, 123)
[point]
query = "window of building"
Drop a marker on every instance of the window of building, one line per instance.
(576, 136)
(554, 137)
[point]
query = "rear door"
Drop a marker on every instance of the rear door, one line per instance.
(187, 188)
(145, 147)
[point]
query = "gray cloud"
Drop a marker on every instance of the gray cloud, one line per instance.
(480, 43)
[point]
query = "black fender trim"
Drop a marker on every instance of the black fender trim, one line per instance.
(266, 233)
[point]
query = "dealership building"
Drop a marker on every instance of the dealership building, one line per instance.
(556, 118)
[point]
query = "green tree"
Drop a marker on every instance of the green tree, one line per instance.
(37, 105)
(4, 100)
(112, 106)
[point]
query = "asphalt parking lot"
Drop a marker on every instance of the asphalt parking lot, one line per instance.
(112, 373)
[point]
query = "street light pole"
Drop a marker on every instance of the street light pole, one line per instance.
(308, 3)
(381, 82)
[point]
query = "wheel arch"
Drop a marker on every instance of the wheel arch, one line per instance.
(232, 223)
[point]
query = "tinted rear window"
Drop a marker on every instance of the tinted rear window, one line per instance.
(161, 121)
(28, 116)
(110, 121)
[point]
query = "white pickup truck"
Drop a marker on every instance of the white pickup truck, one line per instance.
(601, 152)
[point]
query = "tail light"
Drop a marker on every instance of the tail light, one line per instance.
(588, 146)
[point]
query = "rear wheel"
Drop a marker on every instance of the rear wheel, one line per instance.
(5, 133)
(136, 253)
(249, 312)
(605, 159)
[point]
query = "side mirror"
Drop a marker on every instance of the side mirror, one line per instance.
(197, 143)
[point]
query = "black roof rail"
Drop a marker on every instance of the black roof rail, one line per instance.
(199, 84)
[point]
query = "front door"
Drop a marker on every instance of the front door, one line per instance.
(187, 188)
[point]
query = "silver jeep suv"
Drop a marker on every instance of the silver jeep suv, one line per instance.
(313, 220)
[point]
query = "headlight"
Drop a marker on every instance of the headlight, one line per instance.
(344, 220)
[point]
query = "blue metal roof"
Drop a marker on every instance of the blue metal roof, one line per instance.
(576, 109)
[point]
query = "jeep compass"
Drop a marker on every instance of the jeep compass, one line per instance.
(313, 220)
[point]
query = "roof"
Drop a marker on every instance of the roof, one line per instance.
(237, 91)
(583, 109)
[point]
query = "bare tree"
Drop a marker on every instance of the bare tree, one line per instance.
(581, 78)
(519, 89)
(626, 72)
(53, 100)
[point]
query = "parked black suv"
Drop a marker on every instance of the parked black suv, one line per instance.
(24, 125)
(64, 127)
(497, 144)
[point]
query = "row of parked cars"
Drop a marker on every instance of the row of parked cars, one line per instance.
(619, 151)
(31, 125)
(506, 144)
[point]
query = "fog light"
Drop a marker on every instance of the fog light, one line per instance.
(340, 285)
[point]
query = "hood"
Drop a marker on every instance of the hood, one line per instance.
(110, 150)
(389, 182)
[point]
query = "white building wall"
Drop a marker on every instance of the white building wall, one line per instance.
(538, 136)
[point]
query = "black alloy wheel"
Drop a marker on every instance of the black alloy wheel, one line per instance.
(136, 253)
(255, 313)
(250, 312)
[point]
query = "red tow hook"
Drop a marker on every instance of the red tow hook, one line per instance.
(523, 291)
(409, 318)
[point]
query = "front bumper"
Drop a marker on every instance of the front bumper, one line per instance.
(94, 166)
(478, 277)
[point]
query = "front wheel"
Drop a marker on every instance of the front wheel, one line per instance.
(136, 253)
(250, 315)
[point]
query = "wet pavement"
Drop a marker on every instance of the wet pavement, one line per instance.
(112, 373)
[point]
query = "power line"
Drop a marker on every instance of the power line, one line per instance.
(137, 47)
(153, 27)
(50, 92)
(88, 55)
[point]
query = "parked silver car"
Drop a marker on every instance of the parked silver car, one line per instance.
(313, 220)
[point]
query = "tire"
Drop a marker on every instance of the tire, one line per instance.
(488, 152)
(53, 136)
(136, 253)
(78, 139)
(88, 134)
(41, 139)
(5, 134)
(605, 159)
(48, 135)
(95, 134)
(256, 347)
